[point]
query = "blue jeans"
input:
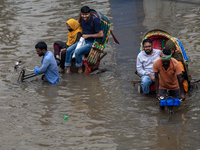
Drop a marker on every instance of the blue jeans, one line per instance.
(145, 83)
(78, 53)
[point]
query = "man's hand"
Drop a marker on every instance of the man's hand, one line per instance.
(63, 49)
(152, 77)
(85, 36)
(182, 96)
(157, 95)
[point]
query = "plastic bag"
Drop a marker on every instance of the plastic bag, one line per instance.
(170, 102)
(81, 43)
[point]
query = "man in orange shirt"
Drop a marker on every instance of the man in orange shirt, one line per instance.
(168, 76)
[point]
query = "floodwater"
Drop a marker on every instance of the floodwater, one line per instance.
(105, 111)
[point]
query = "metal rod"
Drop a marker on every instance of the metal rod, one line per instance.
(29, 74)
(30, 77)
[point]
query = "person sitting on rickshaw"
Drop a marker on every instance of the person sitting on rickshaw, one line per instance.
(179, 57)
(145, 60)
(74, 34)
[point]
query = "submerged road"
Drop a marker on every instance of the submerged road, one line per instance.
(104, 111)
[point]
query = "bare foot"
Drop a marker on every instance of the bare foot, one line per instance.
(68, 71)
(62, 70)
(80, 70)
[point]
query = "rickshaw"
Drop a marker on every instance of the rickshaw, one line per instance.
(159, 39)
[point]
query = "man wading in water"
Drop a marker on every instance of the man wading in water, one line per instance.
(49, 65)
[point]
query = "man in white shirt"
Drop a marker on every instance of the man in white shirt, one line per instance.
(145, 60)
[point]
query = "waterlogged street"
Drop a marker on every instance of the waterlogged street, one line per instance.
(105, 111)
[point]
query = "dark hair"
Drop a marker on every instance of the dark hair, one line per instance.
(41, 45)
(166, 51)
(147, 40)
(85, 9)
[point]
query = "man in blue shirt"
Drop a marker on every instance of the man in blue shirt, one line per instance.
(91, 26)
(49, 65)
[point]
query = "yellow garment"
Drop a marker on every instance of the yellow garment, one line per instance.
(185, 85)
(182, 67)
(75, 25)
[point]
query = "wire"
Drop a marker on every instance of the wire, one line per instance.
(29, 70)
(26, 69)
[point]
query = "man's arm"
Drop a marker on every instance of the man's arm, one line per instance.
(152, 77)
(140, 68)
(43, 68)
(96, 35)
(157, 84)
(180, 81)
